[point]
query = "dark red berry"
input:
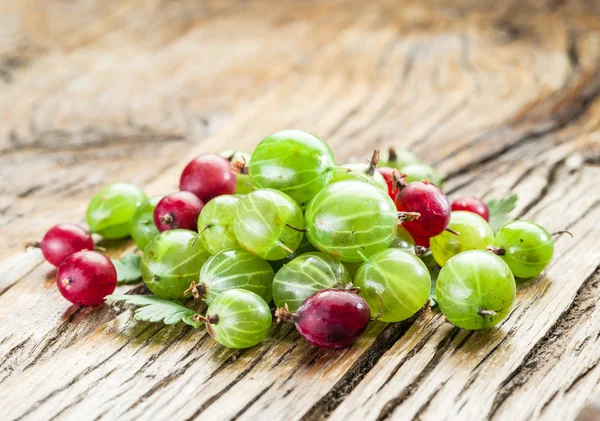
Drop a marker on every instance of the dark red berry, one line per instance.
(63, 240)
(422, 241)
(430, 202)
(391, 180)
(86, 277)
(208, 176)
(331, 318)
(178, 210)
(472, 204)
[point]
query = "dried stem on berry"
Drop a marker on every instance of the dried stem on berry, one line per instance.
(66, 282)
(398, 180)
(498, 251)
(484, 313)
(451, 231)
(207, 226)
(408, 216)
(286, 248)
(355, 173)
(238, 167)
(209, 321)
(373, 163)
(32, 244)
(167, 219)
(380, 312)
(351, 288)
(198, 290)
(295, 228)
(283, 313)
(392, 156)
(561, 233)
(420, 251)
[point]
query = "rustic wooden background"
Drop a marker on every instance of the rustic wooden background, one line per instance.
(502, 96)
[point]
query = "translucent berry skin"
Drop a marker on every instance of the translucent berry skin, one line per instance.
(475, 234)
(86, 277)
(429, 201)
(243, 318)
(333, 318)
(208, 176)
(263, 221)
(403, 241)
(216, 224)
(388, 175)
(305, 275)
(304, 247)
(236, 269)
(351, 216)
(472, 204)
(394, 283)
(422, 172)
(142, 223)
(292, 161)
(475, 290)
(528, 248)
(398, 159)
(171, 262)
(178, 210)
(63, 240)
(111, 209)
(358, 172)
(243, 185)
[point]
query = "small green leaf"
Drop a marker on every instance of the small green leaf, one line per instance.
(154, 309)
(500, 210)
(128, 269)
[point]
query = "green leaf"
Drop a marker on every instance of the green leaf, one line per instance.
(154, 309)
(500, 210)
(128, 269)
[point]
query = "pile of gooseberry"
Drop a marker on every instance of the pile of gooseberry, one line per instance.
(284, 233)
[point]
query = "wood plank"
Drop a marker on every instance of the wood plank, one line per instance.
(501, 97)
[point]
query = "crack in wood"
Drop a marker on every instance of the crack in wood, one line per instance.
(224, 390)
(542, 352)
(81, 375)
(384, 341)
(389, 408)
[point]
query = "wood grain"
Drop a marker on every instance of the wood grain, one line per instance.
(500, 96)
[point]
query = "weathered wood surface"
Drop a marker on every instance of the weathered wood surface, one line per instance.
(501, 96)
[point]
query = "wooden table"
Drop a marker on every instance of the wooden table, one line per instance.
(501, 96)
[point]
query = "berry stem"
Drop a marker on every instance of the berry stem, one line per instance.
(392, 156)
(380, 312)
(498, 251)
(286, 248)
(295, 228)
(420, 251)
(207, 226)
(355, 173)
(408, 216)
(561, 233)
(283, 313)
(362, 256)
(32, 244)
(451, 231)
(209, 321)
(484, 313)
(238, 167)
(373, 163)
(398, 180)
(199, 291)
